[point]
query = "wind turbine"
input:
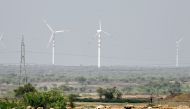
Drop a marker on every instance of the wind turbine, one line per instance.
(52, 39)
(177, 51)
(1, 40)
(98, 34)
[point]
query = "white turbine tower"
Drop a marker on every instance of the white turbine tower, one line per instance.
(177, 51)
(98, 34)
(52, 40)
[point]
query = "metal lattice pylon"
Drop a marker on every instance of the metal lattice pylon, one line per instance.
(22, 78)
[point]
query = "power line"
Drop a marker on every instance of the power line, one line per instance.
(170, 59)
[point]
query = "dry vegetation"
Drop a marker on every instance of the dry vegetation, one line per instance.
(134, 83)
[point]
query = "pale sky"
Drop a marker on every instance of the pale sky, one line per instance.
(143, 32)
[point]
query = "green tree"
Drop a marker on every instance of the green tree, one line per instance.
(112, 93)
(81, 79)
(118, 94)
(24, 89)
(71, 99)
(100, 92)
(175, 88)
(109, 93)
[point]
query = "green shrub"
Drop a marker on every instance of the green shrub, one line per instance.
(45, 99)
(134, 100)
(24, 89)
(109, 93)
(8, 104)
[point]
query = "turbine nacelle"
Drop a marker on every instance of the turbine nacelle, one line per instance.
(99, 31)
(179, 41)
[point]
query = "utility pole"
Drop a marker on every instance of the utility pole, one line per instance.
(177, 51)
(22, 64)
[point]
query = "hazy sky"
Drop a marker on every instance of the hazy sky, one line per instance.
(143, 32)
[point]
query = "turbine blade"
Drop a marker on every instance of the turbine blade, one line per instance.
(48, 25)
(48, 45)
(106, 33)
(180, 40)
(61, 31)
(50, 39)
(1, 38)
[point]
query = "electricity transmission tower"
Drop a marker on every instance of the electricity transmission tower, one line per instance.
(23, 75)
